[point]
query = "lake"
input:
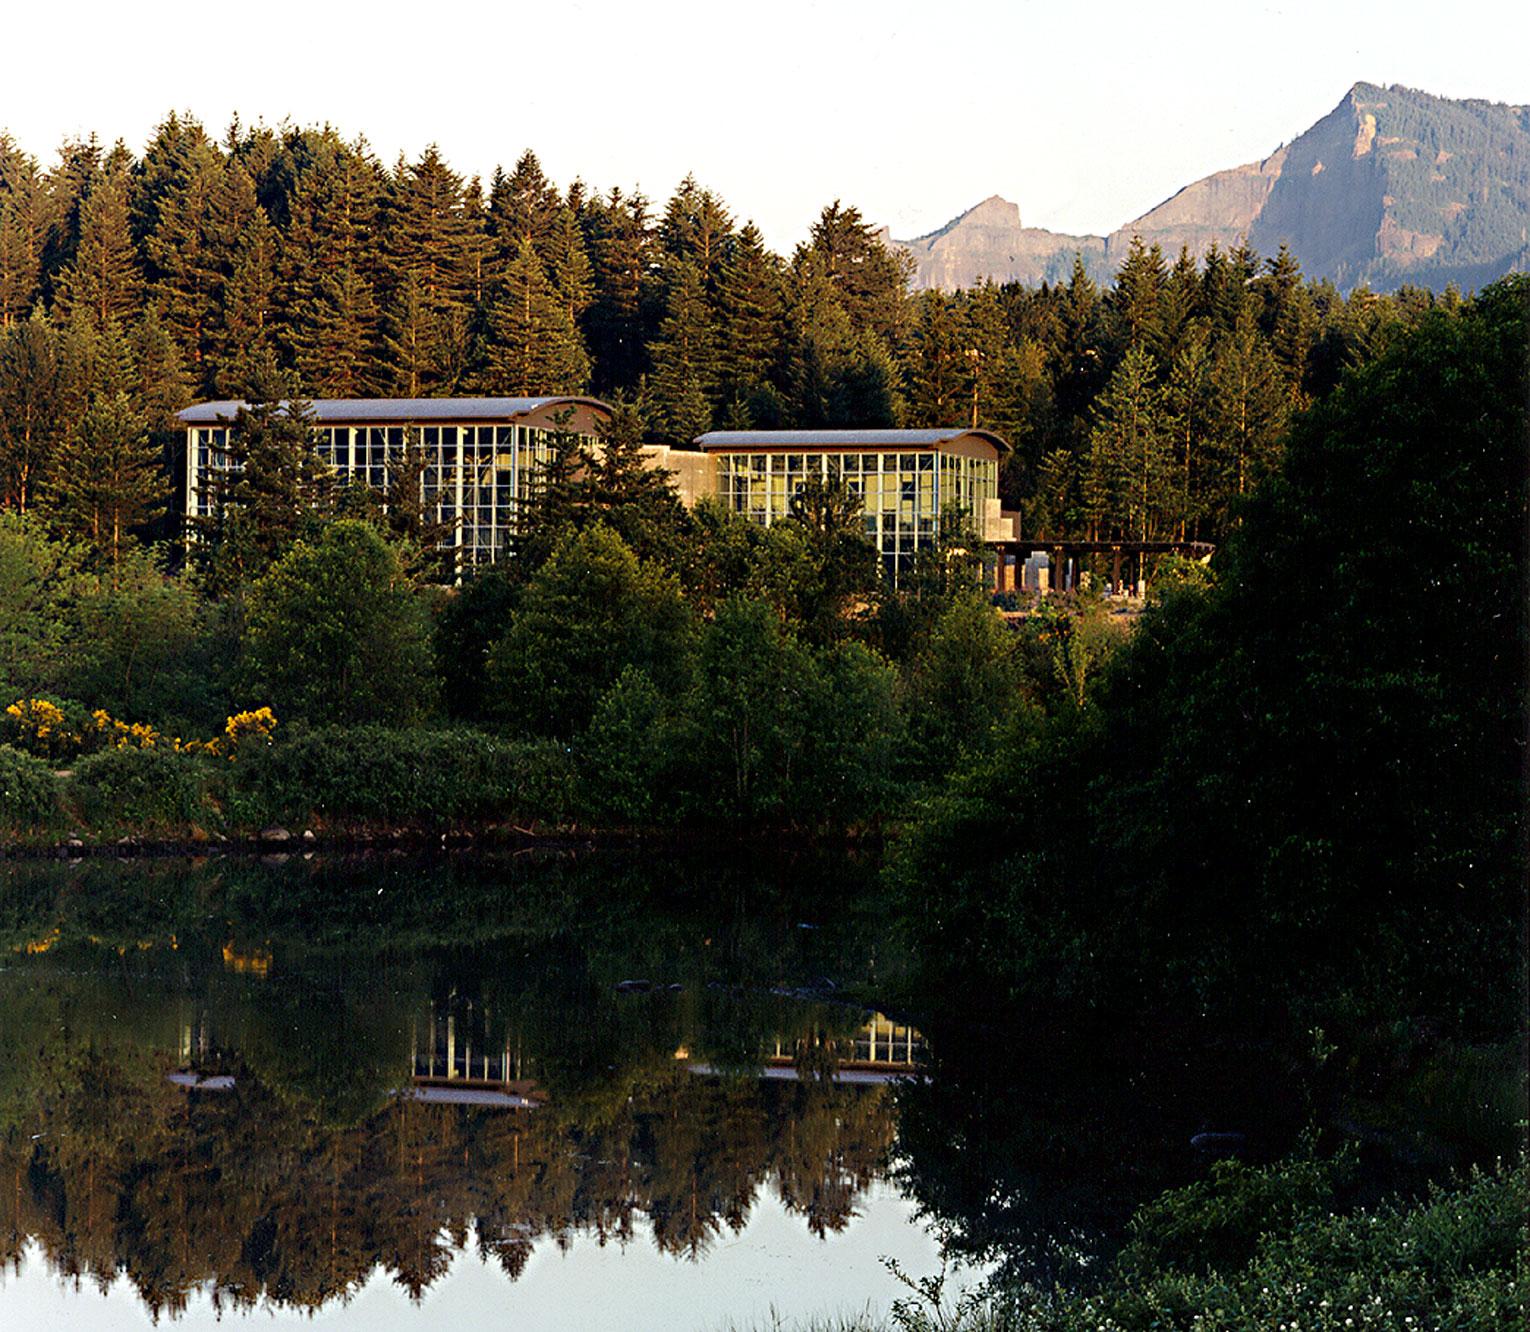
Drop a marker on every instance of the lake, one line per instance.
(585, 1090)
(582, 1089)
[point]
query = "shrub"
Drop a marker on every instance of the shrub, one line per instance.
(28, 791)
(141, 789)
(372, 773)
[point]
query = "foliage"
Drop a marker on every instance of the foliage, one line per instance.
(141, 790)
(28, 792)
(1453, 1259)
(341, 775)
(593, 609)
(337, 633)
(1239, 813)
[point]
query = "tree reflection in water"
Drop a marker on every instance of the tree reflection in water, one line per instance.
(291, 1186)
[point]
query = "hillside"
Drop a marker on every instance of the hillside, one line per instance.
(1393, 186)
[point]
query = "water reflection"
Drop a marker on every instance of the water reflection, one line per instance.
(267, 1121)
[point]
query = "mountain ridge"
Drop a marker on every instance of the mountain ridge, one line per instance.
(1392, 186)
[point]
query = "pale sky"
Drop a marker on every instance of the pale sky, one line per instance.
(1086, 113)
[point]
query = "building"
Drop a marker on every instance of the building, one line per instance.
(905, 478)
(481, 454)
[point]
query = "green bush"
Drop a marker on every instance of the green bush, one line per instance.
(371, 773)
(141, 790)
(28, 791)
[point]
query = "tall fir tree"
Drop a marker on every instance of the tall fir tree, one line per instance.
(750, 320)
(534, 345)
(22, 224)
(108, 479)
(433, 244)
(684, 359)
(30, 383)
(1130, 483)
(1251, 408)
(620, 248)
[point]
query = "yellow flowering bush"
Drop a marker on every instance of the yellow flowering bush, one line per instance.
(39, 726)
(242, 728)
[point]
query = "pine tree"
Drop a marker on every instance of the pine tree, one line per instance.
(189, 250)
(1190, 411)
(1288, 319)
(750, 319)
(870, 280)
(684, 359)
(696, 229)
(1251, 408)
(243, 335)
(1133, 309)
(1130, 478)
(619, 245)
(534, 346)
(102, 277)
(332, 327)
(273, 491)
(939, 373)
(433, 246)
(30, 381)
(163, 386)
(330, 332)
(108, 478)
(69, 185)
(22, 220)
(523, 206)
(179, 152)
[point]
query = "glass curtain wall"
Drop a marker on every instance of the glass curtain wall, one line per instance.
(474, 479)
(902, 494)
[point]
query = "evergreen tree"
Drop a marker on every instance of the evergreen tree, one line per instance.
(870, 280)
(273, 491)
(163, 387)
(434, 248)
(408, 518)
(69, 185)
(1287, 319)
(102, 277)
(619, 245)
(684, 359)
(940, 373)
(1190, 413)
(30, 381)
(1133, 312)
(179, 152)
(332, 327)
(1250, 412)
(523, 206)
(696, 229)
(534, 346)
(750, 318)
(243, 336)
(107, 479)
(22, 220)
(1130, 477)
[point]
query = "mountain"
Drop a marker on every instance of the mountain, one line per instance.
(989, 242)
(1393, 186)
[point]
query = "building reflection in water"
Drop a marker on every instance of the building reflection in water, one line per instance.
(448, 1069)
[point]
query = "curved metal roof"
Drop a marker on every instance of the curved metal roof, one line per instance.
(398, 410)
(845, 439)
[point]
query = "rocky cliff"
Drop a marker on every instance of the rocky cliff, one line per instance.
(989, 242)
(1392, 186)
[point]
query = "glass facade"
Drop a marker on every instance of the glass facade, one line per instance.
(902, 494)
(475, 476)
